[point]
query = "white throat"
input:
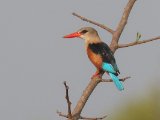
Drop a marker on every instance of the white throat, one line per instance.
(91, 41)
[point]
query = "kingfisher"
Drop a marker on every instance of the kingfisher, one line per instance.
(99, 54)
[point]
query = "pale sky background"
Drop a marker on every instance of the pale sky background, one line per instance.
(35, 59)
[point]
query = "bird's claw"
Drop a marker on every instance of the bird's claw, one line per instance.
(96, 76)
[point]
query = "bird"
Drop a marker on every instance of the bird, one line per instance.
(99, 54)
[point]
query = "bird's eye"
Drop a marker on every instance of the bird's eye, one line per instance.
(84, 31)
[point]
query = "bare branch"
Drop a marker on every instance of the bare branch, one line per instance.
(138, 42)
(93, 22)
(86, 118)
(110, 80)
(121, 25)
(81, 117)
(62, 115)
(68, 101)
(83, 99)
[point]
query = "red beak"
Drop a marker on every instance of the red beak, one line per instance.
(72, 35)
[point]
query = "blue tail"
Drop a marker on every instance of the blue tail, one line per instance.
(109, 68)
(116, 81)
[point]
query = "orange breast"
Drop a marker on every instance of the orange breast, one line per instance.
(96, 59)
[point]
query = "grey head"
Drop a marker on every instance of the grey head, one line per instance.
(89, 34)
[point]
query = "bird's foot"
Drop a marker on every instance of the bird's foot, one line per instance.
(96, 76)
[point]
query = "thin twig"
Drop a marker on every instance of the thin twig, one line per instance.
(68, 101)
(81, 117)
(93, 22)
(138, 42)
(110, 80)
(86, 118)
(62, 115)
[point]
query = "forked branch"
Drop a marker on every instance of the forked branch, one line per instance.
(81, 117)
(121, 25)
(76, 114)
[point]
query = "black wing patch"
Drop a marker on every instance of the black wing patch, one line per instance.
(105, 52)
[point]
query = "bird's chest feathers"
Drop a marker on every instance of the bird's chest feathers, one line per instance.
(95, 58)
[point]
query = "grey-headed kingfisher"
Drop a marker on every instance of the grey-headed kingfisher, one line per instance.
(99, 54)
